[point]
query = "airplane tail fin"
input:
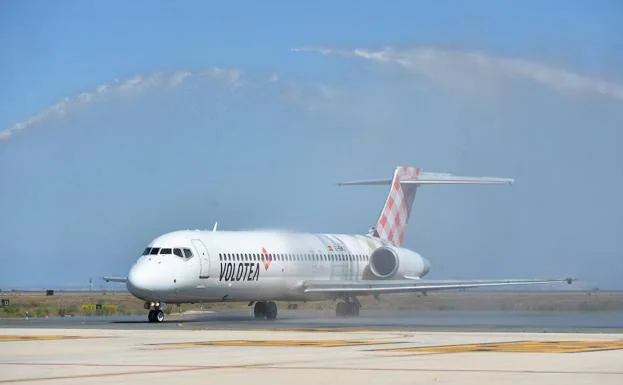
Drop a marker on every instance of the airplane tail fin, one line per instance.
(396, 212)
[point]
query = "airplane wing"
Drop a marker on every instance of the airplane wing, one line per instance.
(373, 287)
(115, 279)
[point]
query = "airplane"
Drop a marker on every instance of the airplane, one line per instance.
(261, 267)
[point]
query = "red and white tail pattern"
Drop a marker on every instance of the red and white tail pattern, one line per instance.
(393, 221)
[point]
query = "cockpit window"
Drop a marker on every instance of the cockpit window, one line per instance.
(165, 251)
(146, 252)
(188, 253)
(178, 252)
(154, 250)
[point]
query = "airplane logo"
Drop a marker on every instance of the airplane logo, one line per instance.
(267, 258)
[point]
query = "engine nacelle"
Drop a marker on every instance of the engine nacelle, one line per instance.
(389, 262)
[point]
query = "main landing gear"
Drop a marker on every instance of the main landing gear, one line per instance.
(156, 314)
(265, 310)
(348, 307)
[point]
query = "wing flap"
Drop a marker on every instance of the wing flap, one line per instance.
(370, 287)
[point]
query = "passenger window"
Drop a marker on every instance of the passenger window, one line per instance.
(188, 254)
(178, 252)
(154, 250)
(146, 251)
(165, 251)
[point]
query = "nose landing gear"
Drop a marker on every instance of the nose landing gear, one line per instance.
(265, 310)
(156, 314)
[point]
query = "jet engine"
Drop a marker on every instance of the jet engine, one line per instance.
(389, 262)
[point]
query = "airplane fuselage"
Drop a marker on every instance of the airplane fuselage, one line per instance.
(252, 265)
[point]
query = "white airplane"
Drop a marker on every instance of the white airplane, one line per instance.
(260, 267)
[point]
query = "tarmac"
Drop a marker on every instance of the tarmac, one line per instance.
(394, 347)
(337, 355)
(407, 320)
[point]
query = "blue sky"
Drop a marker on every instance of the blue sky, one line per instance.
(179, 114)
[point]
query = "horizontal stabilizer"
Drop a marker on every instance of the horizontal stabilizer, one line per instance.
(431, 178)
(369, 182)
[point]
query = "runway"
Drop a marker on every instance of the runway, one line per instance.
(541, 321)
(105, 356)
(308, 347)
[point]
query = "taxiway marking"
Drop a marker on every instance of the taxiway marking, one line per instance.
(13, 338)
(273, 343)
(515, 347)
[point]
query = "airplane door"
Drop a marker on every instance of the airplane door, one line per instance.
(204, 258)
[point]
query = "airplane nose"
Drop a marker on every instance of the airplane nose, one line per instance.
(139, 281)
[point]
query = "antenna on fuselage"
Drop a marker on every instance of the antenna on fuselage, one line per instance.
(215, 226)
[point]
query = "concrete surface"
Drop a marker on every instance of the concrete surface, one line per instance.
(189, 356)
(516, 321)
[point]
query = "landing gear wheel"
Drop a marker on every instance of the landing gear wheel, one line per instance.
(271, 310)
(347, 309)
(259, 311)
(341, 309)
(158, 316)
(150, 315)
